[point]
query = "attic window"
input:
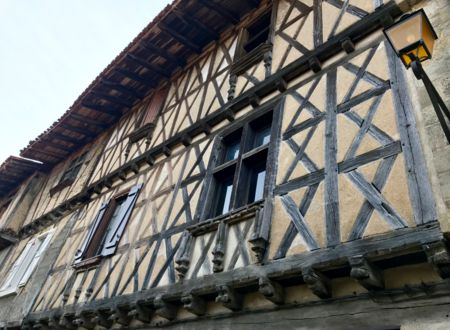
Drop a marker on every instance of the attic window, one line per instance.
(256, 33)
(70, 174)
(254, 41)
(145, 125)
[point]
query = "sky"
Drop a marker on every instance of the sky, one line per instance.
(51, 50)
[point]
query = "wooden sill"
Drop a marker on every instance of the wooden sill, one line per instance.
(243, 213)
(142, 132)
(248, 60)
(87, 263)
(60, 186)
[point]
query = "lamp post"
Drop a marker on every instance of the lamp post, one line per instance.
(412, 39)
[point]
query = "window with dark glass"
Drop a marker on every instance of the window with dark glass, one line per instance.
(254, 42)
(239, 174)
(107, 228)
(74, 167)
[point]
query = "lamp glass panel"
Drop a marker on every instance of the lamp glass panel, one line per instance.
(428, 35)
(405, 33)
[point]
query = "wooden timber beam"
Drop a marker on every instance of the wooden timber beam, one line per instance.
(163, 53)
(230, 16)
(136, 77)
(180, 38)
(102, 109)
(122, 89)
(149, 66)
(78, 130)
(58, 146)
(87, 120)
(66, 138)
(113, 99)
(189, 19)
(51, 154)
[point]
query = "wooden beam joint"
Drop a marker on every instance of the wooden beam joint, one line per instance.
(438, 255)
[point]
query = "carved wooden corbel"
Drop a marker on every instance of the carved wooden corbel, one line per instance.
(272, 290)
(194, 304)
(347, 45)
(67, 321)
(232, 89)
(267, 59)
(438, 255)
(315, 64)
(102, 318)
(183, 256)
(254, 100)
(141, 312)
(259, 239)
(219, 248)
(367, 274)
(120, 315)
(164, 309)
(54, 322)
(229, 297)
(317, 283)
(84, 320)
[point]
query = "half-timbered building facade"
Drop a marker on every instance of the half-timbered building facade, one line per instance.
(241, 164)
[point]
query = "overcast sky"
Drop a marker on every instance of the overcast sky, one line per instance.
(51, 50)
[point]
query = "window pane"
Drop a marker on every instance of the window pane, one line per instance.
(257, 185)
(232, 151)
(262, 137)
(224, 196)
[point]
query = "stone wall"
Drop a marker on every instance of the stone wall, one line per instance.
(435, 144)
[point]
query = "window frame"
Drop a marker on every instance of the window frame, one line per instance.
(25, 264)
(243, 59)
(94, 246)
(216, 165)
(70, 174)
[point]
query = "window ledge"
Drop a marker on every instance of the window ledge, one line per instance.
(7, 293)
(243, 213)
(7, 237)
(249, 59)
(142, 132)
(60, 186)
(87, 263)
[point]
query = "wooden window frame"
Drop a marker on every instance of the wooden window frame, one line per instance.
(89, 255)
(243, 60)
(69, 175)
(217, 165)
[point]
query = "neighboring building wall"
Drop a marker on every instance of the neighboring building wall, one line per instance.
(435, 142)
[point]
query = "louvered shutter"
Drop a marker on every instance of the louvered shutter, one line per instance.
(155, 105)
(44, 241)
(12, 279)
(117, 228)
(82, 250)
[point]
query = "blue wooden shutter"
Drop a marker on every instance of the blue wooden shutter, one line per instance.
(82, 250)
(118, 227)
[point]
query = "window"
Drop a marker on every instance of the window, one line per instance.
(255, 34)
(254, 42)
(239, 174)
(145, 124)
(107, 228)
(25, 264)
(70, 174)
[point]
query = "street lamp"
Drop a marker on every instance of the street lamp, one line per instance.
(412, 39)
